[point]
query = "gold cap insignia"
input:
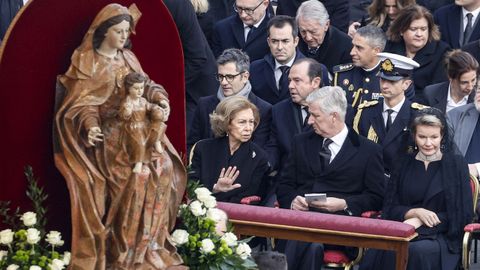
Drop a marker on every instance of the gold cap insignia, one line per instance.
(387, 65)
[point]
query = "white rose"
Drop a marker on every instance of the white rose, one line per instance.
(56, 264)
(197, 209)
(207, 246)
(210, 201)
(214, 214)
(179, 237)
(243, 250)
(6, 237)
(29, 219)
(230, 239)
(54, 238)
(202, 193)
(13, 267)
(66, 257)
(3, 253)
(33, 236)
(35, 267)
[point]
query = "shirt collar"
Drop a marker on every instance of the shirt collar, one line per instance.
(289, 64)
(474, 13)
(450, 100)
(370, 69)
(395, 108)
(258, 23)
(340, 137)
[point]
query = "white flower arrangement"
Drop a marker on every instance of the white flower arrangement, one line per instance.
(24, 244)
(24, 249)
(200, 244)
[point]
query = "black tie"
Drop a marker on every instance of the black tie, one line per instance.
(312, 51)
(325, 153)
(284, 78)
(389, 119)
(305, 121)
(468, 28)
(249, 34)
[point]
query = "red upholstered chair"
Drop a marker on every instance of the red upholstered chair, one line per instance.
(338, 259)
(470, 229)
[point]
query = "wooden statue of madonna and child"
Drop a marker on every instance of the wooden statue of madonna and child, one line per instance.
(125, 179)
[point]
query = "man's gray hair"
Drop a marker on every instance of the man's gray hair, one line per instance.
(374, 35)
(236, 56)
(330, 99)
(313, 10)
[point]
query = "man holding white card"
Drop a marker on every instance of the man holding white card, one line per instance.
(330, 159)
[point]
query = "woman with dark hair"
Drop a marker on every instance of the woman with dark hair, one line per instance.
(130, 213)
(414, 34)
(231, 165)
(430, 190)
(462, 71)
(381, 13)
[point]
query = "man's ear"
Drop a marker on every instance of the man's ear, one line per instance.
(316, 82)
(327, 25)
(406, 84)
(246, 75)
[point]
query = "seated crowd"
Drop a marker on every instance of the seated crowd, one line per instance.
(382, 115)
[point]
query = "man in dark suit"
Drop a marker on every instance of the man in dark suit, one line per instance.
(386, 122)
(269, 76)
(200, 66)
(233, 74)
(246, 30)
(290, 116)
(330, 159)
(320, 40)
(458, 22)
(462, 69)
(338, 9)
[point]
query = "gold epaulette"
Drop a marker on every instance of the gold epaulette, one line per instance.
(356, 119)
(418, 106)
(342, 67)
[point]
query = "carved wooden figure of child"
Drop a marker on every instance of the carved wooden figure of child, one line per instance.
(144, 124)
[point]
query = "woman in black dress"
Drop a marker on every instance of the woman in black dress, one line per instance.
(231, 165)
(429, 190)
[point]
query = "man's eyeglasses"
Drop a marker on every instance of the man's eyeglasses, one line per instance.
(228, 77)
(248, 11)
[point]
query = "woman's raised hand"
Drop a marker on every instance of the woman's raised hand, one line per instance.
(226, 180)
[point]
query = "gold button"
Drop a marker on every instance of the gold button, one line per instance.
(367, 79)
(365, 91)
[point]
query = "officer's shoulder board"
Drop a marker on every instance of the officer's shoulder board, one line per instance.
(418, 106)
(367, 104)
(343, 67)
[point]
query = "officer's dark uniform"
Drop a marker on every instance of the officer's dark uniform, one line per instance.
(369, 122)
(358, 83)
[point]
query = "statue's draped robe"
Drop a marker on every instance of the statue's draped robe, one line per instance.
(120, 220)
